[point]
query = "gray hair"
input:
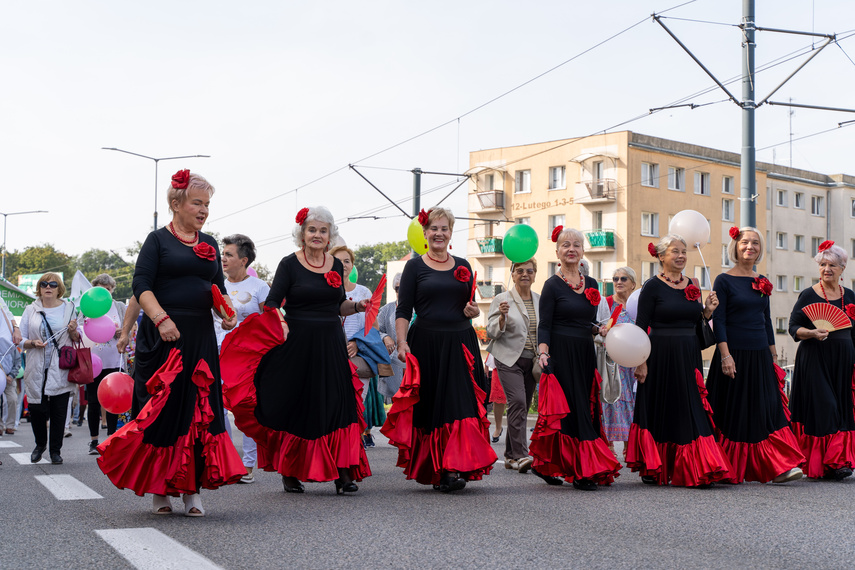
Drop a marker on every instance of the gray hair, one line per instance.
(584, 267)
(568, 233)
(195, 182)
(316, 214)
(629, 271)
(667, 240)
(245, 246)
(396, 282)
(834, 254)
(104, 280)
(731, 247)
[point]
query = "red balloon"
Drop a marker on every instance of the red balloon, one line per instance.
(116, 392)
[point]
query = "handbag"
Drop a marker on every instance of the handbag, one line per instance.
(610, 388)
(706, 336)
(77, 360)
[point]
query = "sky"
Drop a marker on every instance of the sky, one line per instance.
(283, 96)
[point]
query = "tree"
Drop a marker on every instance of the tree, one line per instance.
(39, 259)
(97, 261)
(371, 261)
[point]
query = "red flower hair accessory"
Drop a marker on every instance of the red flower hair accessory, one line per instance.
(462, 274)
(423, 217)
(205, 251)
(692, 292)
(333, 279)
(181, 179)
(734, 232)
(651, 249)
(556, 232)
(850, 311)
(825, 245)
(593, 296)
(301, 216)
(763, 285)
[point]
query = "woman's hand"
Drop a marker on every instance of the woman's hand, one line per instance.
(351, 348)
(389, 343)
(728, 366)
(710, 304)
(471, 310)
(504, 307)
(820, 334)
(543, 359)
(641, 372)
(403, 351)
(360, 306)
(168, 331)
(603, 331)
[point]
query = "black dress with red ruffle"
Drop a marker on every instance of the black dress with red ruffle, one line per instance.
(749, 410)
(672, 436)
(299, 399)
(821, 398)
(177, 442)
(568, 439)
(439, 423)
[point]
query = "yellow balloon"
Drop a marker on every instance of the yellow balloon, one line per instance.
(416, 237)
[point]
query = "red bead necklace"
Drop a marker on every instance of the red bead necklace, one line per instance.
(574, 287)
(677, 282)
(437, 260)
(306, 257)
(179, 238)
(826, 296)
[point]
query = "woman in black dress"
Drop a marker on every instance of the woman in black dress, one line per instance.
(288, 380)
(822, 392)
(749, 408)
(440, 427)
(177, 442)
(571, 445)
(671, 439)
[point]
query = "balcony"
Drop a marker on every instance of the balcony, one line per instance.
(490, 245)
(606, 288)
(596, 191)
(488, 289)
(600, 240)
(488, 201)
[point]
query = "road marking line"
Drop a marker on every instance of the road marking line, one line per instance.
(148, 548)
(24, 459)
(9, 444)
(67, 488)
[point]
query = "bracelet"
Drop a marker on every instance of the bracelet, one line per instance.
(543, 354)
(154, 318)
(161, 321)
(356, 307)
(725, 358)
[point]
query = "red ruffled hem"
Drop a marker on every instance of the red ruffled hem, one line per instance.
(461, 446)
(144, 468)
(700, 462)
(764, 460)
(825, 453)
(314, 460)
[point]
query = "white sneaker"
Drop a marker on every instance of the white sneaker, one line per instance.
(249, 477)
(793, 474)
(67, 433)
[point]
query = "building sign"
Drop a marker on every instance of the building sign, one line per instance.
(15, 298)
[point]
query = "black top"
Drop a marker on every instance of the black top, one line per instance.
(742, 317)
(560, 307)
(306, 293)
(809, 296)
(436, 296)
(663, 307)
(179, 279)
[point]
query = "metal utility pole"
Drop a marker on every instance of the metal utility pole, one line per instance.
(417, 190)
(747, 170)
(6, 215)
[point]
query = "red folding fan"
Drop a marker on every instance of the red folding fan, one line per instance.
(613, 319)
(474, 285)
(373, 306)
(220, 304)
(827, 316)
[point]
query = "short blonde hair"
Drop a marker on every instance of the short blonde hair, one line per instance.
(516, 264)
(437, 213)
(339, 248)
(731, 247)
(196, 182)
(568, 233)
(51, 276)
(629, 271)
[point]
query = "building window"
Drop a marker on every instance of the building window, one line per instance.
(556, 178)
(727, 209)
(798, 283)
(798, 243)
(598, 271)
(676, 178)
(489, 182)
(781, 325)
(817, 207)
(702, 183)
(650, 174)
(727, 184)
(852, 255)
(522, 180)
(597, 220)
(649, 224)
(552, 267)
(701, 274)
(725, 258)
(781, 283)
(814, 245)
(814, 281)
(648, 270)
(489, 272)
(798, 200)
(852, 209)
(781, 240)
(526, 221)
(555, 221)
(782, 198)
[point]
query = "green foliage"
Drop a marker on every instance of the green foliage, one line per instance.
(97, 261)
(39, 259)
(371, 261)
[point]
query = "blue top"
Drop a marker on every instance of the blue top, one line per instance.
(742, 318)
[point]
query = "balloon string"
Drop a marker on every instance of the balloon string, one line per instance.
(709, 277)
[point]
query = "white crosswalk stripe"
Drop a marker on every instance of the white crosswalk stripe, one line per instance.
(67, 488)
(8, 444)
(148, 548)
(24, 459)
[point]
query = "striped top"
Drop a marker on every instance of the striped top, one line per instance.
(532, 325)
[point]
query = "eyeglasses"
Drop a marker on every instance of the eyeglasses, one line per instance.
(46, 284)
(524, 271)
(620, 278)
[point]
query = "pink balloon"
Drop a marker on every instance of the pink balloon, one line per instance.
(101, 329)
(251, 271)
(115, 392)
(97, 365)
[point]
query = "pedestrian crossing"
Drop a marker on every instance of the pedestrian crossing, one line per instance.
(67, 488)
(150, 549)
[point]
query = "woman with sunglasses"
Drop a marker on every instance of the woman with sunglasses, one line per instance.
(47, 325)
(512, 330)
(617, 416)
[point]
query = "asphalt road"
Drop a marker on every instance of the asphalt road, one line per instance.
(506, 520)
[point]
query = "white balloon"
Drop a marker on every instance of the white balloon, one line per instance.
(692, 226)
(632, 305)
(627, 345)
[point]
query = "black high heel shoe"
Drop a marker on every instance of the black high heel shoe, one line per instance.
(550, 480)
(342, 487)
(449, 483)
(292, 485)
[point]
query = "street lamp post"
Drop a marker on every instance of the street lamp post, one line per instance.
(156, 160)
(3, 270)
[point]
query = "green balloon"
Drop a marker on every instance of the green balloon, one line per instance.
(520, 243)
(95, 302)
(354, 275)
